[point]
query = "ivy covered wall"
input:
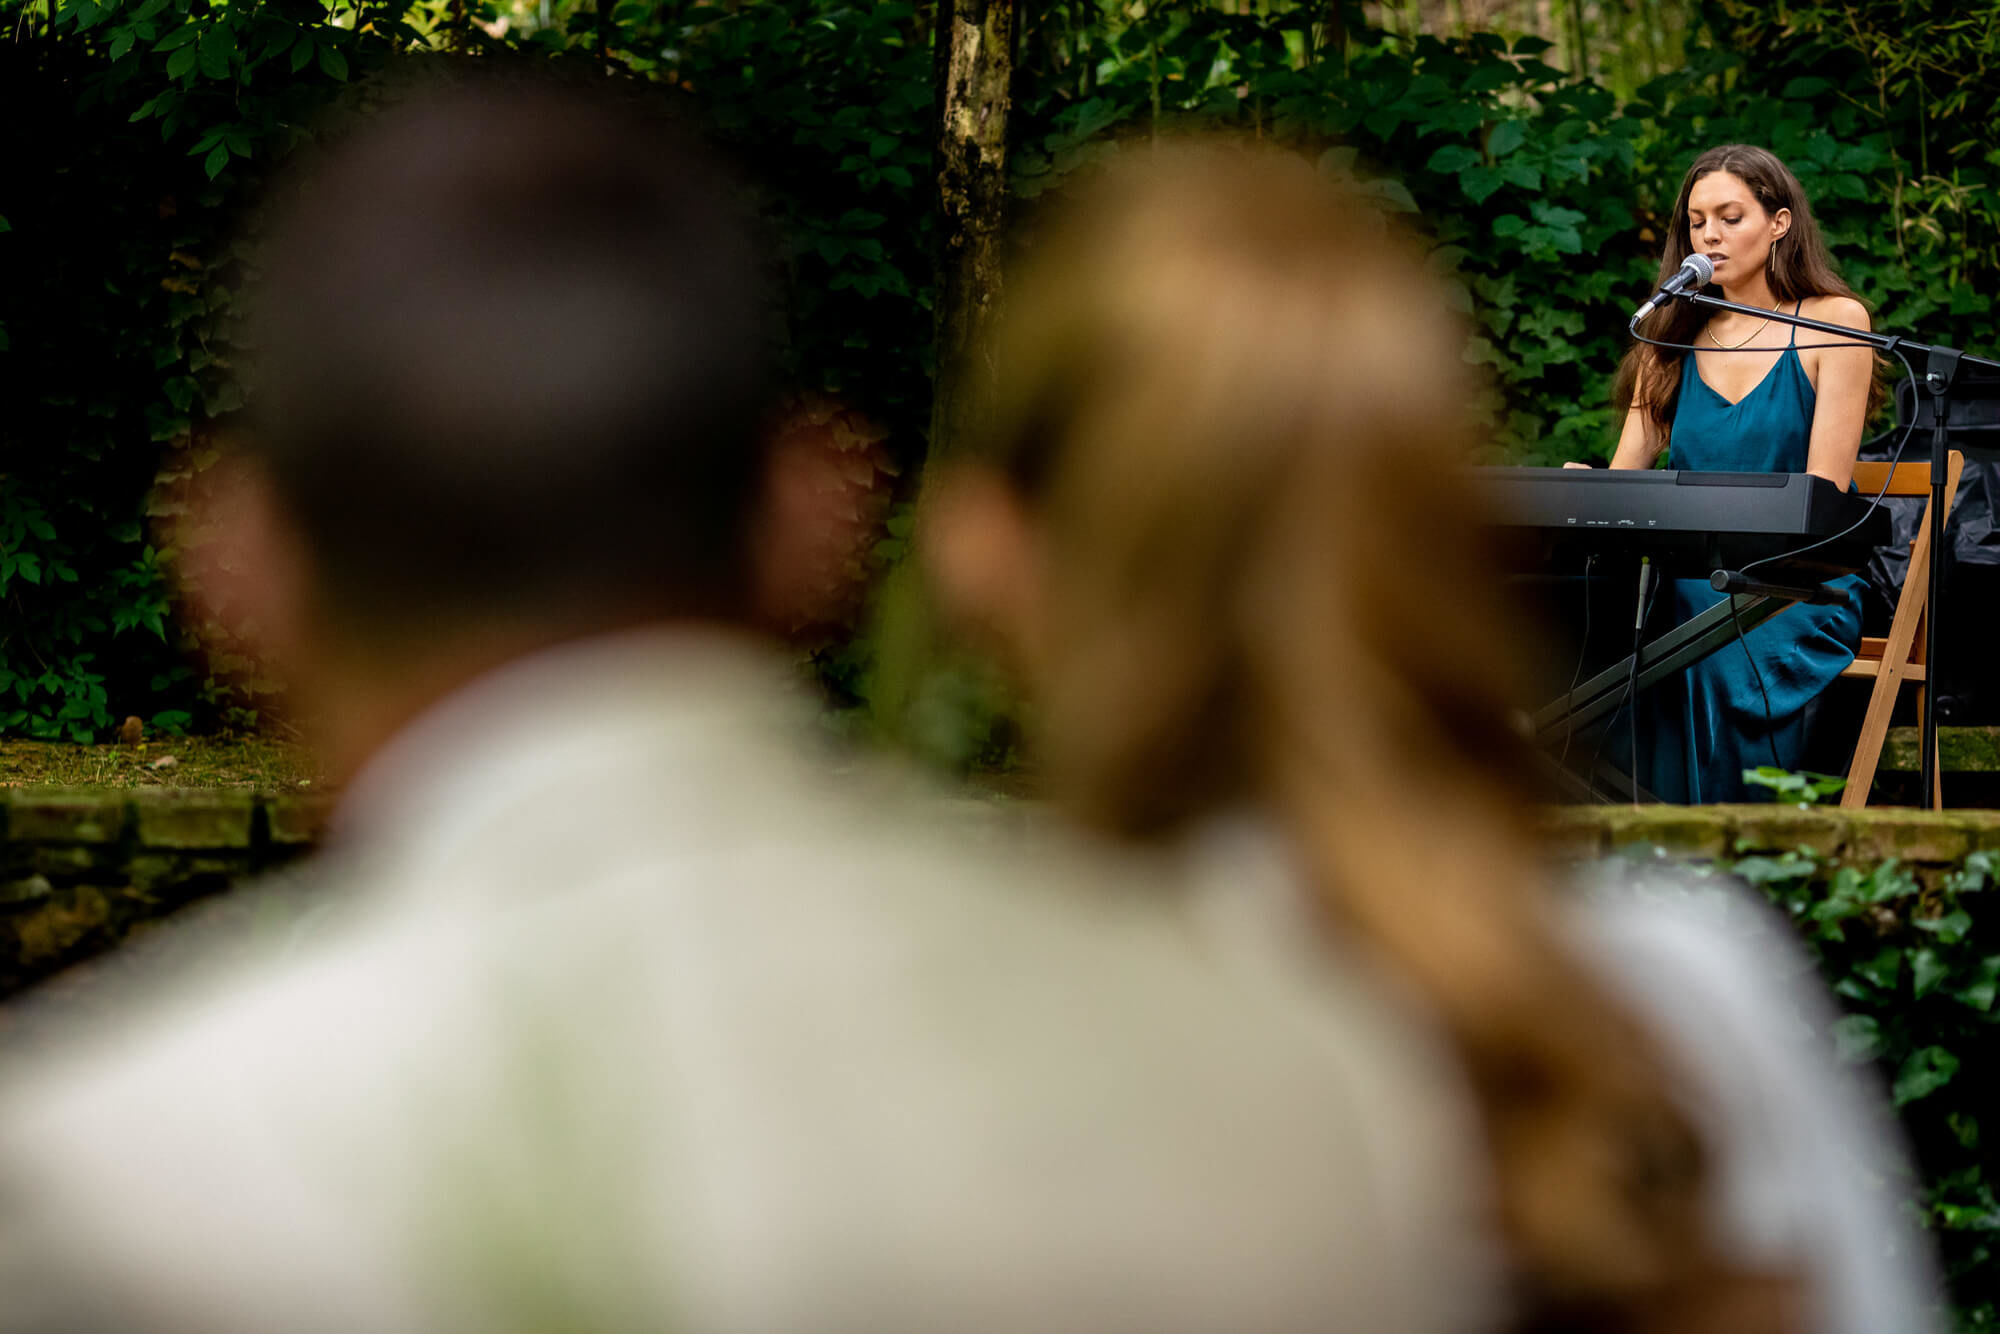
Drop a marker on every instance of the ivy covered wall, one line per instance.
(138, 134)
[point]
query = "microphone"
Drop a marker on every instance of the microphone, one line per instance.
(1695, 271)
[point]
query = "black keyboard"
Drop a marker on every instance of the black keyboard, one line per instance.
(1690, 523)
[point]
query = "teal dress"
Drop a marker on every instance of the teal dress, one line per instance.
(1700, 730)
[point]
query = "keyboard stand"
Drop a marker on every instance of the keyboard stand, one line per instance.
(1660, 657)
(1608, 784)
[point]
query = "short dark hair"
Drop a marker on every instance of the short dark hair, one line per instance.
(512, 362)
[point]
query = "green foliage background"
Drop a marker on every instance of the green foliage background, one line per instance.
(1915, 959)
(137, 133)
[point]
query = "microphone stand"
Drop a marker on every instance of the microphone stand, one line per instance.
(1941, 365)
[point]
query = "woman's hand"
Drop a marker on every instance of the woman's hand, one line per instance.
(1576, 465)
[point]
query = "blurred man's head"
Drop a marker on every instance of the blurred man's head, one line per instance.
(511, 365)
(509, 387)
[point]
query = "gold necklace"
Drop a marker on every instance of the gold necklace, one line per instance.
(1709, 329)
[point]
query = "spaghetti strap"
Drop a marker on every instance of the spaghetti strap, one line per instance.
(1797, 306)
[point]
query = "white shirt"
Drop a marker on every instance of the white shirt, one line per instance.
(1807, 1164)
(631, 1016)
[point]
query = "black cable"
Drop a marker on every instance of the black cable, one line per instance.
(1797, 347)
(1630, 699)
(1770, 727)
(1632, 678)
(1582, 654)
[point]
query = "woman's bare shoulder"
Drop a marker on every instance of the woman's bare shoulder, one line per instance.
(1837, 310)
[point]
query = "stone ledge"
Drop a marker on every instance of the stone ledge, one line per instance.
(176, 818)
(61, 815)
(193, 818)
(1941, 837)
(81, 869)
(297, 820)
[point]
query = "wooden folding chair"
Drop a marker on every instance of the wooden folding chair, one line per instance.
(1898, 660)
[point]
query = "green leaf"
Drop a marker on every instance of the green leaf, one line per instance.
(181, 62)
(1391, 192)
(302, 54)
(121, 45)
(217, 44)
(178, 38)
(1507, 136)
(1480, 351)
(1966, 1218)
(1859, 157)
(1452, 158)
(1950, 928)
(333, 64)
(1338, 161)
(1857, 1038)
(1479, 182)
(1985, 984)
(217, 49)
(1806, 87)
(1928, 971)
(1924, 1073)
(1795, 865)
(217, 159)
(1884, 969)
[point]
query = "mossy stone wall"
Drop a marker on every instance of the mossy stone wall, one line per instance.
(80, 870)
(1869, 835)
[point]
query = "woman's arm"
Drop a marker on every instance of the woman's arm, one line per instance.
(1641, 443)
(1841, 405)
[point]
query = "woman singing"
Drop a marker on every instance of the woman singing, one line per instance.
(1754, 397)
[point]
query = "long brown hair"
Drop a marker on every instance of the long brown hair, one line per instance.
(1799, 267)
(1236, 404)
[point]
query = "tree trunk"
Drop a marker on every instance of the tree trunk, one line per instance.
(973, 66)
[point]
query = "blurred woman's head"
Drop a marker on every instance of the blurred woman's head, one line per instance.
(1224, 520)
(1233, 407)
